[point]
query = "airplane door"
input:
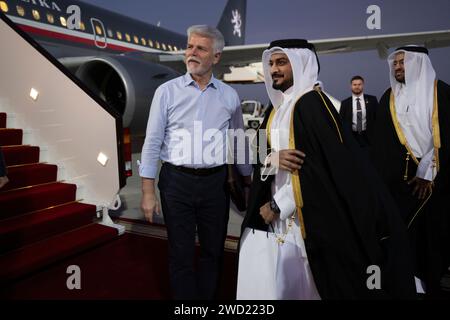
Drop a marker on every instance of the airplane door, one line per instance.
(99, 33)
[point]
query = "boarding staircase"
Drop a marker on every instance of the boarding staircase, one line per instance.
(41, 219)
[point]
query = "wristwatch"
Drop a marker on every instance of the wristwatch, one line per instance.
(274, 207)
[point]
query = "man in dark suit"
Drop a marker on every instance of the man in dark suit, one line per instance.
(358, 112)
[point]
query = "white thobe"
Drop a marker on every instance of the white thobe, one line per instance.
(418, 133)
(282, 271)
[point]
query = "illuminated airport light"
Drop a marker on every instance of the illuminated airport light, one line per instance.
(34, 94)
(102, 159)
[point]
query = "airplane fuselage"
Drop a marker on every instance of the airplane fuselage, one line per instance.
(120, 59)
(100, 31)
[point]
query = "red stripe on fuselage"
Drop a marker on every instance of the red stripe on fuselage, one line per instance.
(70, 38)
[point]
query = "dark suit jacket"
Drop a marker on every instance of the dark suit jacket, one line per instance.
(346, 112)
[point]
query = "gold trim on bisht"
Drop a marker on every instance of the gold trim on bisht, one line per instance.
(331, 114)
(269, 124)
(295, 176)
(436, 128)
(296, 186)
(404, 142)
(402, 138)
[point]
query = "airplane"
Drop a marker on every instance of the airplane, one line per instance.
(124, 60)
(121, 59)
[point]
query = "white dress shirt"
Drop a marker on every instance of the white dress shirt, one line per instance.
(181, 117)
(364, 112)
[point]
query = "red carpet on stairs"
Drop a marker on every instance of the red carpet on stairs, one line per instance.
(29, 175)
(11, 137)
(25, 229)
(32, 257)
(2, 120)
(41, 221)
(35, 198)
(18, 155)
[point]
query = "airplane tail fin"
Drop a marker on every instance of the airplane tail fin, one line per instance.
(232, 22)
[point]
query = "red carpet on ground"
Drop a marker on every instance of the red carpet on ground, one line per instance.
(130, 267)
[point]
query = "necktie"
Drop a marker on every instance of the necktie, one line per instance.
(358, 116)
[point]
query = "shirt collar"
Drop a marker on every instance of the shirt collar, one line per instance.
(361, 96)
(188, 80)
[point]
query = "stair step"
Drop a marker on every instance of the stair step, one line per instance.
(17, 155)
(25, 229)
(31, 258)
(29, 175)
(2, 120)
(27, 200)
(11, 137)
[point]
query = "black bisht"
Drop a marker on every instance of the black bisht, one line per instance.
(429, 227)
(351, 221)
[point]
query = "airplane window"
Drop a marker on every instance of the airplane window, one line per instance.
(157, 45)
(136, 39)
(20, 11)
(63, 21)
(150, 43)
(119, 35)
(50, 18)
(36, 15)
(127, 36)
(164, 46)
(98, 30)
(143, 41)
(110, 33)
(4, 6)
(82, 26)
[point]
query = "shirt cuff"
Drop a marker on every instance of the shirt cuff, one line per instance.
(147, 171)
(425, 169)
(285, 203)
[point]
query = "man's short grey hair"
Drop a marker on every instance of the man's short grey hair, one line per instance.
(209, 32)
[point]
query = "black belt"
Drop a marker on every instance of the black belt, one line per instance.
(195, 171)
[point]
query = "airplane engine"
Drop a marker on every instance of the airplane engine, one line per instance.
(127, 84)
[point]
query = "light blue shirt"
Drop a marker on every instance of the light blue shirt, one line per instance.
(188, 126)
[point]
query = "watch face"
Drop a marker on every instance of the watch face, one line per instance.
(274, 206)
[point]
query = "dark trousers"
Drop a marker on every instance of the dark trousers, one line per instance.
(191, 202)
(361, 138)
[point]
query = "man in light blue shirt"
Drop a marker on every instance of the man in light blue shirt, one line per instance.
(187, 130)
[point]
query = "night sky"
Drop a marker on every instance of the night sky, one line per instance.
(268, 20)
